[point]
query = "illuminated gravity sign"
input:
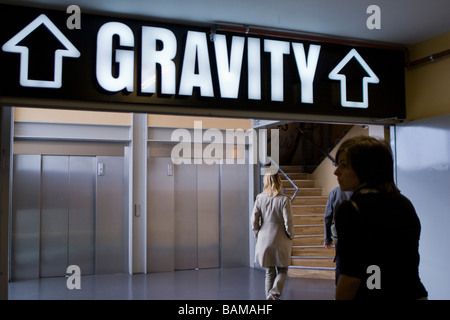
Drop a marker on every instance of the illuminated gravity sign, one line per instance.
(142, 65)
(196, 53)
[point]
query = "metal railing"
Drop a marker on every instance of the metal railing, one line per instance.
(287, 178)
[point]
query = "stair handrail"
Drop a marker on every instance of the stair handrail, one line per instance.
(326, 154)
(285, 175)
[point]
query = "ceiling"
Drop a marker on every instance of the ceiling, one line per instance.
(404, 22)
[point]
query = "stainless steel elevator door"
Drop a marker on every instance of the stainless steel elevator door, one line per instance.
(196, 216)
(160, 216)
(64, 214)
(183, 216)
(208, 209)
(54, 216)
(25, 217)
(111, 218)
(67, 214)
(82, 213)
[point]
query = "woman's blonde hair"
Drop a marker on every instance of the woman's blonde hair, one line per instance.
(272, 184)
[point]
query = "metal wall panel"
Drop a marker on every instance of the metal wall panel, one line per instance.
(422, 149)
(54, 216)
(208, 216)
(81, 204)
(186, 230)
(25, 217)
(128, 209)
(110, 232)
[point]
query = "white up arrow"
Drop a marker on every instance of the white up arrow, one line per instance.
(335, 75)
(69, 51)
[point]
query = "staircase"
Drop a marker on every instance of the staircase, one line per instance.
(309, 258)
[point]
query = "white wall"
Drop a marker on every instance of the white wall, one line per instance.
(423, 175)
(324, 174)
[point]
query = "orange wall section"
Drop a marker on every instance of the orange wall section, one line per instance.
(169, 121)
(123, 119)
(428, 85)
(71, 116)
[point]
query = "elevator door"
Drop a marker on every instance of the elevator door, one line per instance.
(183, 216)
(196, 216)
(67, 214)
(64, 213)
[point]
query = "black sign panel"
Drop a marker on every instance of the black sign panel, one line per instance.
(142, 63)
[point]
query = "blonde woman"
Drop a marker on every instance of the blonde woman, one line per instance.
(273, 227)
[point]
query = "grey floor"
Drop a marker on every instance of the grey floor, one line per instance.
(206, 284)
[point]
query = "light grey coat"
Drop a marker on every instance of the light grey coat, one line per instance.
(274, 229)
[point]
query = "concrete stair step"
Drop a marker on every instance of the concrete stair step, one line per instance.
(313, 251)
(305, 192)
(308, 229)
(305, 219)
(312, 200)
(298, 183)
(292, 169)
(313, 262)
(308, 209)
(311, 240)
(294, 176)
(299, 272)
